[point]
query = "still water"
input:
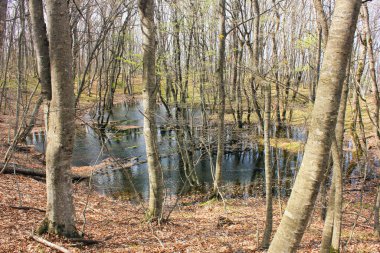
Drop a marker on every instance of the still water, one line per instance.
(243, 164)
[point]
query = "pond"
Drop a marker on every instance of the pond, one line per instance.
(243, 164)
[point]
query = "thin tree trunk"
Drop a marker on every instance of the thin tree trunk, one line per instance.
(355, 100)
(21, 76)
(4, 84)
(321, 20)
(41, 46)
(148, 28)
(3, 25)
(374, 91)
(221, 93)
(332, 231)
(324, 118)
(276, 68)
(268, 170)
(255, 60)
(376, 215)
(329, 220)
(337, 150)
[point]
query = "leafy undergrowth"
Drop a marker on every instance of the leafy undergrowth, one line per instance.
(194, 226)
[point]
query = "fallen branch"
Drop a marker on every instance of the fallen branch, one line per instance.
(11, 168)
(27, 208)
(84, 241)
(50, 244)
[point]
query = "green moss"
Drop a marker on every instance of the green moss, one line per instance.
(209, 202)
(43, 227)
(50, 227)
(332, 250)
(285, 144)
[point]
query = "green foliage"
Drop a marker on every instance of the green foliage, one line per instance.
(131, 59)
(307, 42)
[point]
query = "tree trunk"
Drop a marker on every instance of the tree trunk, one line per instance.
(222, 97)
(376, 215)
(268, 170)
(321, 20)
(374, 99)
(332, 228)
(324, 117)
(41, 46)
(355, 99)
(3, 25)
(156, 193)
(60, 137)
(329, 221)
(337, 152)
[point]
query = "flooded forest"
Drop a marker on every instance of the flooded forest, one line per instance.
(190, 126)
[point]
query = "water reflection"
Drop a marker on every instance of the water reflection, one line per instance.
(243, 169)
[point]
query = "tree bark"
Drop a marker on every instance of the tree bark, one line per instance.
(41, 46)
(60, 137)
(332, 227)
(374, 99)
(376, 215)
(337, 152)
(148, 28)
(3, 24)
(268, 170)
(324, 118)
(321, 20)
(222, 97)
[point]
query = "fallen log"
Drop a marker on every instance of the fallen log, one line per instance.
(18, 169)
(50, 244)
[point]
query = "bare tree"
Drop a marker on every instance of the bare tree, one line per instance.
(268, 170)
(148, 28)
(61, 126)
(324, 118)
(221, 93)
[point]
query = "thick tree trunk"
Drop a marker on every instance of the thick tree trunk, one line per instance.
(324, 117)
(60, 138)
(148, 28)
(222, 96)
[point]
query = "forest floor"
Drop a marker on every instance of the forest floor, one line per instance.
(195, 225)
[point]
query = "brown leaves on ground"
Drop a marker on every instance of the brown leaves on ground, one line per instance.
(233, 226)
(194, 226)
